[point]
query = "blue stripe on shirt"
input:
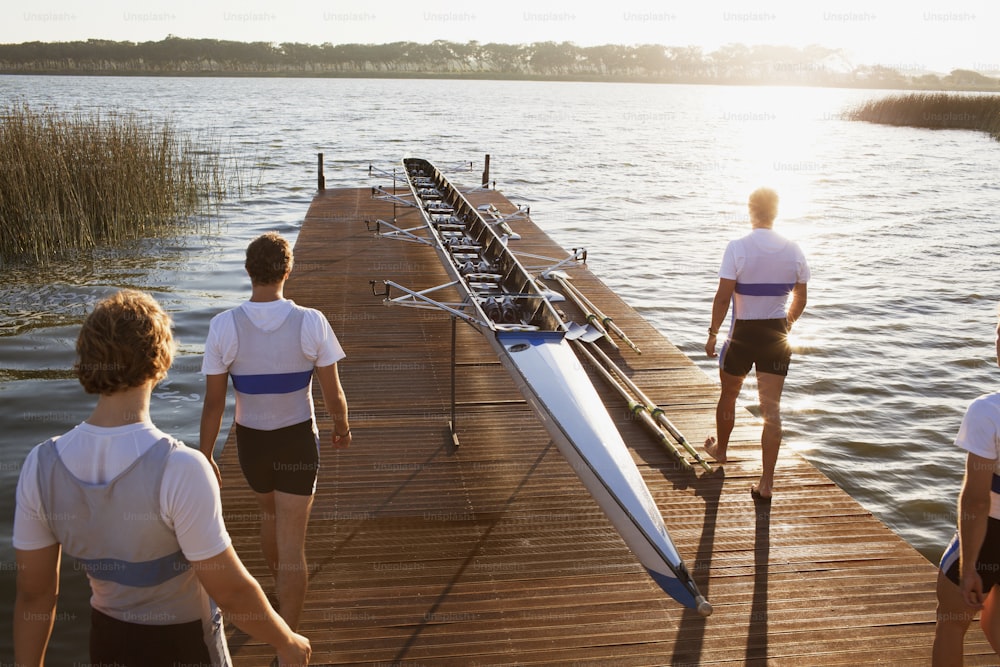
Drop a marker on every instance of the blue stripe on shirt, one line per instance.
(141, 575)
(273, 383)
(764, 289)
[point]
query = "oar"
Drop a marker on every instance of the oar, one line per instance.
(587, 334)
(653, 408)
(636, 408)
(606, 322)
(558, 276)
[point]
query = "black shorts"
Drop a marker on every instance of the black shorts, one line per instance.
(988, 563)
(115, 642)
(285, 459)
(760, 343)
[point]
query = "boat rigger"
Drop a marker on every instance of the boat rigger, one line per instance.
(501, 299)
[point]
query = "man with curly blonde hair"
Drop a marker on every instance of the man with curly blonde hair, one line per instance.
(138, 511)
(272, 348)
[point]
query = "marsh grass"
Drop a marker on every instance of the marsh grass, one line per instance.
(72, 181)
(937, 111)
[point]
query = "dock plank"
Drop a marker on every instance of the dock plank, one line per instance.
(493, 553)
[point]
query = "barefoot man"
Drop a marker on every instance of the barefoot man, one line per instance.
(272, 348)
(759, 271)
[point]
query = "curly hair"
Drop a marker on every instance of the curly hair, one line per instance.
(124, 342)
(269, 259)
(763, 204)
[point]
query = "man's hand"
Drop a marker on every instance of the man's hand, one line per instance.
(297, 653)
(710, 346)
(341, 441)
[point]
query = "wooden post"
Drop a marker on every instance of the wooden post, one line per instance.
(320, 177)
(486, 172)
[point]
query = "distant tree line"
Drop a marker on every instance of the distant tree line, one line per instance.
(731, 64)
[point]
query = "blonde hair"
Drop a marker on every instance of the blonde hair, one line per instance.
(763, 204)
(269, 259)
(124, 342)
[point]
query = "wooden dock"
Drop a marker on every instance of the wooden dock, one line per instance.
(494, 554)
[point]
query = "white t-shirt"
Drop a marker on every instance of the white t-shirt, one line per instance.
(980, 435)
(318, 340)
(189, 495)
(766, 266)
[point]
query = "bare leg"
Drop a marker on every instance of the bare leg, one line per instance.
(292, 571)
(953, 619)
(268, 537)
(725, 416)
(769, 387)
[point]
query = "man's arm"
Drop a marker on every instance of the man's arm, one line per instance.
(798, 305)
(973, 516)
(35, 603)
(336, 403)
(239, 595)
(720, 308)
(211, 417)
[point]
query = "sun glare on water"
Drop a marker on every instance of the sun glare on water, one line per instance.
(773, 135)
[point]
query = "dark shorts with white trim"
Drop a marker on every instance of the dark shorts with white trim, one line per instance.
(988, 563)
(760, 343)
(285, 459)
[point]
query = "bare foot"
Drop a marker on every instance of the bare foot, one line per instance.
(760, 496)
(711, 446)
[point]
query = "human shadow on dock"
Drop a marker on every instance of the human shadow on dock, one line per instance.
(237, 639)
(756, 651)
(691, 633)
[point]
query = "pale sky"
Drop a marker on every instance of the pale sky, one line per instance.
(909, 35)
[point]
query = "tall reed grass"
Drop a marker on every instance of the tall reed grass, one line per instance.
(75, 181)
(935, 111)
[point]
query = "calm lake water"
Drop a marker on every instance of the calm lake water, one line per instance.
(900, 226)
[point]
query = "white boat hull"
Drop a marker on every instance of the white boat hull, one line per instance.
(504, 301)
(550, 377)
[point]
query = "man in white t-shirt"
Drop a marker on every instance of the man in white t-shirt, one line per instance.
(969, 571)
(272, 348)
(759, 272)
(140, 514)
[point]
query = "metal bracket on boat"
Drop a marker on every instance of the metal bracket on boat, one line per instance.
(579, 256)
(414, 299)
(373, 171)
(378, 192)
(398, 233)
(522, 213)
(463, 165)
(501, 221)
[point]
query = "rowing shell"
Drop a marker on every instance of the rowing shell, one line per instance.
(551, 379)
(530, 341)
